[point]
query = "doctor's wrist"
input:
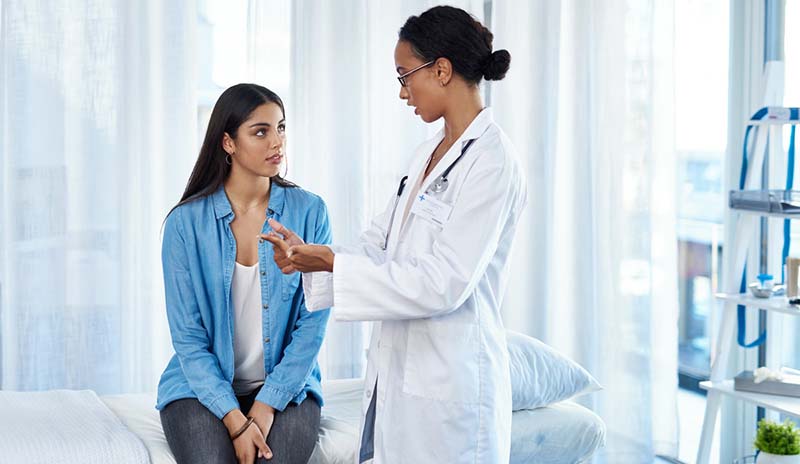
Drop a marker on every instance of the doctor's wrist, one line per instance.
(329, 257)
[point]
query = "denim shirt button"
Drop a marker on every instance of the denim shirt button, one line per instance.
(263, 272)
(266, 340)
(265, 306)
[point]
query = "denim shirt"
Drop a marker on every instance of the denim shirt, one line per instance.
(198, 256)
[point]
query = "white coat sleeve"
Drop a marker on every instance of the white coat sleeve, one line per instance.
(438, 281)
(318, 286)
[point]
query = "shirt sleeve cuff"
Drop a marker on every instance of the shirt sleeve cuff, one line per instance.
(222, 405)
(318, 289)
(274, 397)
(342, 289)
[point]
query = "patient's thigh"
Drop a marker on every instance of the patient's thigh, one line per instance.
(195, 435)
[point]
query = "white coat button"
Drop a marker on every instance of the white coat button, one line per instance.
(369, 393)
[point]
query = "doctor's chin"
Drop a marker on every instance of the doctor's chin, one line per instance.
(400, 232)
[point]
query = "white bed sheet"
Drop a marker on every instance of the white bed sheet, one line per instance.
(139, 414)
(561, 433)
(62, 426)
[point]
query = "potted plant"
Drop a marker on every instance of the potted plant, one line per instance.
(777, 443)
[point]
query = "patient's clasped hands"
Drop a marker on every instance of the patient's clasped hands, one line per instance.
(291, 254)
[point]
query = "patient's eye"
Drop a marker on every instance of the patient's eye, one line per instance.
(281, 128)
(261, 132)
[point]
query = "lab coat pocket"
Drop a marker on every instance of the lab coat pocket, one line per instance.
(442, 361)
(289, 284)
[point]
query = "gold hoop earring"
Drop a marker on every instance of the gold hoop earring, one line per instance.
(228, 159)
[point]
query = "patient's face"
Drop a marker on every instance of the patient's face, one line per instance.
(260, 141)
(422, 89)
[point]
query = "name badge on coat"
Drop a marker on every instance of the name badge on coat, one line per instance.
(431, 208)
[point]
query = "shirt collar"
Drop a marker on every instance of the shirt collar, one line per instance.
(476, 128)
(478, 125)
(222, 206)
(277, 197)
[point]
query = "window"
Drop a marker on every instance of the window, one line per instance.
(791, 48)
(240, 42)
(701, 49)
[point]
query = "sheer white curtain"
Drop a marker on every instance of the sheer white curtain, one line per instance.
(588, 103)
(97, 120)
(98, 138)
(351, 137)
(747, 93)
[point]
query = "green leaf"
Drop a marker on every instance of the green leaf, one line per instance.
(782, 439)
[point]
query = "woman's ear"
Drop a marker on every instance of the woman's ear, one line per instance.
(228, 144)
(444, 71)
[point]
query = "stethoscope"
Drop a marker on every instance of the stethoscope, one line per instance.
(438, 186)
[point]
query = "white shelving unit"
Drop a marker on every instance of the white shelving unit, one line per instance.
(783, 404)
(721, 384)
(779, 304)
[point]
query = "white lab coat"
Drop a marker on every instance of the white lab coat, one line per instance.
(439, 351)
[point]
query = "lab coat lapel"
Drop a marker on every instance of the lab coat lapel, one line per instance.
(417, 170)
(476, 128)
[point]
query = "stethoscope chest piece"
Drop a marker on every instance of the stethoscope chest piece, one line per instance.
(439, 185)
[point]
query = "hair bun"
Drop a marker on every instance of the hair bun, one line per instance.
(497, 65)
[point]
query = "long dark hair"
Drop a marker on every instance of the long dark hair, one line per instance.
(233, 107)
(452, 33)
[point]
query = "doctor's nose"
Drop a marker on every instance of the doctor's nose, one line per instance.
(403, 93)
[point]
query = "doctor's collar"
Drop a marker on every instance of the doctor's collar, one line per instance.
(476, 128)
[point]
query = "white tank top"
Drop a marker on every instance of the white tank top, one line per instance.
(248, 348)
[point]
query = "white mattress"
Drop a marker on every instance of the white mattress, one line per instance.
(64, 426)
(560, 433)
(139, 414)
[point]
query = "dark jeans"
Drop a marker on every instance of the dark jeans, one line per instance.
(196, 436)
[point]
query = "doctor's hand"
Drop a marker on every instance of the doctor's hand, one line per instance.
(292, 254)
(282, 239)
(311, 258)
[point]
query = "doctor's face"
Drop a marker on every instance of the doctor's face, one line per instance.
(422, 89)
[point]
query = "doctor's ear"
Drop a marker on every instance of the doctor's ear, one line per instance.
(444, 71)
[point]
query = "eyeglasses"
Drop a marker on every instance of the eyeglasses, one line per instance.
(402, 78)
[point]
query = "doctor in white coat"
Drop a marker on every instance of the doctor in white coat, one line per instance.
(432, 269)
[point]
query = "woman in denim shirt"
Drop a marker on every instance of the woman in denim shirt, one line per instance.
(244, 382)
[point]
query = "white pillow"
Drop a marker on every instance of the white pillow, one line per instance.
(541, 375)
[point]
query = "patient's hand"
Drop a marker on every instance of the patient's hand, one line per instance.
(249, 444)
(264, 416)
